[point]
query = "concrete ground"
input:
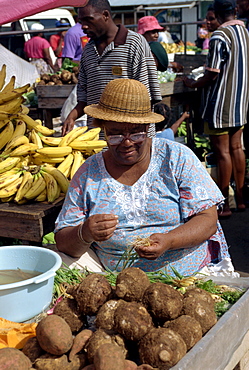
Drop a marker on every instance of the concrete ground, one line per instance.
(236, 230)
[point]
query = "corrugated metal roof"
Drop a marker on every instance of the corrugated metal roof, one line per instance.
(118, 3)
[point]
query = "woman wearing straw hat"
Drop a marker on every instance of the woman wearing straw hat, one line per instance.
(139, 187)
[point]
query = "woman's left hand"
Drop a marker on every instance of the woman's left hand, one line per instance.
(156, 249)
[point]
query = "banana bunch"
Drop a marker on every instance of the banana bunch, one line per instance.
(173, 47)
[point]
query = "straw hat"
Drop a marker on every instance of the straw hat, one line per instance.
(124, 100)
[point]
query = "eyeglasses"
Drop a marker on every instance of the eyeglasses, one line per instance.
(138, 137)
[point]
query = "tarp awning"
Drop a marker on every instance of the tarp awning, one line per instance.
(151, 3)
(11, 12)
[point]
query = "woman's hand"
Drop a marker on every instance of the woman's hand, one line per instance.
(156, 249)
(99, 227)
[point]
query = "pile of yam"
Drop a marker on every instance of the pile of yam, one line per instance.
(135, 325)
(61, 78)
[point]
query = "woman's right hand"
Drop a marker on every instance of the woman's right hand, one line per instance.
(99, 227)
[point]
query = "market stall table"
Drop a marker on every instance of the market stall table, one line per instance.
(29, 222)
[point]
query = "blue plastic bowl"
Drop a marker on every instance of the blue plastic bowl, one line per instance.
(25, 299)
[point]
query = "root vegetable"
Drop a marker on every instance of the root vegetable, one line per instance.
(89, 367)
(45, 77)
(100, 337)
(109, 357)
(162, 348)
(105, 315)
(200, 293)
(65, 75)
(32, 349)
(54, 335)
(78, 362)
(74, 78)
(91, 293)
(79, 342)
(68, 309)
(51, 362)
(201, 310)
(12, 358)
(131, 284)
(162, 301)
(145, 367)
(130, 365)
(132, 320)
(189, 329)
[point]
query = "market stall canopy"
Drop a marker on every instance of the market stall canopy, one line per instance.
(10, 13)
(154, 3)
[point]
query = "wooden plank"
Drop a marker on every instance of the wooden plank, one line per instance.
(56, 91)
(51, 103)
(175, 87)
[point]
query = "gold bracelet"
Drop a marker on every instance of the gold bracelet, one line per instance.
(80, 236)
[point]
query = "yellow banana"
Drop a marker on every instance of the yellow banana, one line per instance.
(55, 151)
(37, 187)
(24, 161)
(44, 130)
(31, 124)
(59, 177)
(6, 134)
(9, 163)
(72, 135)
(20, 129)
(35, 138)
(66, 164)
(40, 159)
(24, 109)
(7, 199)
(90, 134)
(3, 123)
(17, 141)
(50, 140)
(12, 106)
(23, 150)
(9, 86)
(58, 191)
(78, 158)
(2, 76)
(42, 196)
(5, 116)
(4, 97)
(51, 186)
(6, 181)
(88, 145)
(11, 189)
(27, 180)
(9, 172)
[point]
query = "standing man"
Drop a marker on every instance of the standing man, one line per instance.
(57, 40)
(227, 81)
(112, 52)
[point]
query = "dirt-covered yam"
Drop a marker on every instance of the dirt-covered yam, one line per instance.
(200, 293)
(79, 342)
(54, 335)
(12, 358)
(51, 362)
(132, 320)
(109, 357)
(100, 337)
(201, 311)
(68, 309)
(162, 348)
(105, 315)
(32, 349)
(131, 284)
(162, 301)
(91, 293)
(188, 327)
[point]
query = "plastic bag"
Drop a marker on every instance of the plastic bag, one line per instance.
(69, 104)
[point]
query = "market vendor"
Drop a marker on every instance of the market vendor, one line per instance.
(139, 187)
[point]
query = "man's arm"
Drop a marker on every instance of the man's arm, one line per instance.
(77, 112)
(205, 80)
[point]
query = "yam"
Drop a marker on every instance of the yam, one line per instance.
(54, 335)
(145, 367)
(89, 367)
(68, 309)
(105, 316)
(32, 349)
(109, 357)
(162, 301)
(188, 327)
(130, 365)
(132, 320)
(79, 342)
(78, 362)
(65, 76)
(51, 362)
(12, 358)
(91, 293)
(100, 337)
(131, 284)
(200, 293)
(162, 348)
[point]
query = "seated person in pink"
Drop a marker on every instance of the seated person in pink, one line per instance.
(37, 51)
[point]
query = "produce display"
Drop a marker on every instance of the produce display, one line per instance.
(179, 47)
(35, 166)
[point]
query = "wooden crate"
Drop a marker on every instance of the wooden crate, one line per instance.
(52, 97)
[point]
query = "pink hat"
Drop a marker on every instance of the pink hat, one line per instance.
(148, 23)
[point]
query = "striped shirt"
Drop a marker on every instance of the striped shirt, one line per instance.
(127, 56)
(227, 96)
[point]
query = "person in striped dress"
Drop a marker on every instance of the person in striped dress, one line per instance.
(227, 81)
(112, 52)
